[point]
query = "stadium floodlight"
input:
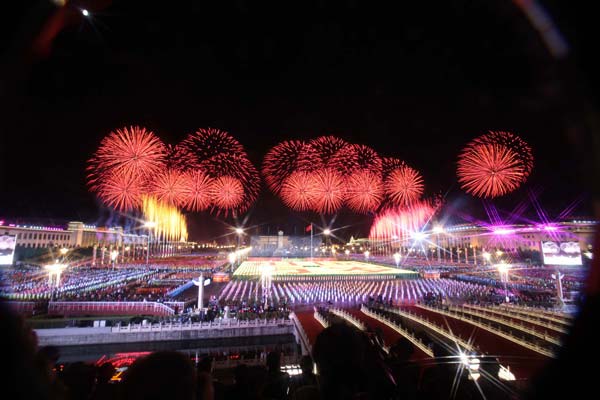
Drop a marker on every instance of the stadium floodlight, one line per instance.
(239, 231)
(327, 231)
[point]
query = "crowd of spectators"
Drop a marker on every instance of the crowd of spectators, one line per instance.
(350, 364)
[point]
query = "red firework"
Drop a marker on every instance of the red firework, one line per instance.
(355, 157)
(172, 187)
(490, 170)
(390, 164)
(404, 185)
(299, 191)
(227, 193)
(364, 191)
(330, 189)
(200, 196)
(400, 224)
(181, 158)
(210, 142)
(286, 158)
(326, 147)
(518, 146)
(219, 154)
(132, 151)
(121, 191)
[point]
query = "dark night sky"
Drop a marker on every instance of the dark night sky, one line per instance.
(415, 83)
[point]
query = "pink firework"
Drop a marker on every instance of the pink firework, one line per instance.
(171, 187)
(132, 151)
(286, 158)
(121, 191)
(200, 196)
(299, 191)
(227, 193)
(404, 185)
(364, 191)
(490, 170)
(400, 224)
(331, 191)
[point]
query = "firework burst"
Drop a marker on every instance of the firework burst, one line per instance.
(522, 151)
(121, 191)
(356, 157)
(200, 196)
(389, 164)
(286, 158)
(331, 190)
(490, 170)
(364, 191)
(134, 151)
(404, 185)
(299, 191)
(208, 143)
(326, 148)
(180, 158)
(171, 187)
(227, 193)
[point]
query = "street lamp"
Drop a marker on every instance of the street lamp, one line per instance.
(397, 259)
(487, 256)
(149, 225)
(56, 270)
(438, 230)
(231, 257)
(113, 257)
(503, 268)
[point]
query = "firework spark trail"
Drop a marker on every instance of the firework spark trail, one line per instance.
(169, 223)
(401, 223)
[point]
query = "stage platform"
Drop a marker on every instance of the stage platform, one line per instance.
(300, 269)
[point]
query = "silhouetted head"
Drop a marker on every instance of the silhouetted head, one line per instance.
(306, 364)
(105, 372)
(274, 361)
(339, 353)
(403, 349)
(160, 375)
